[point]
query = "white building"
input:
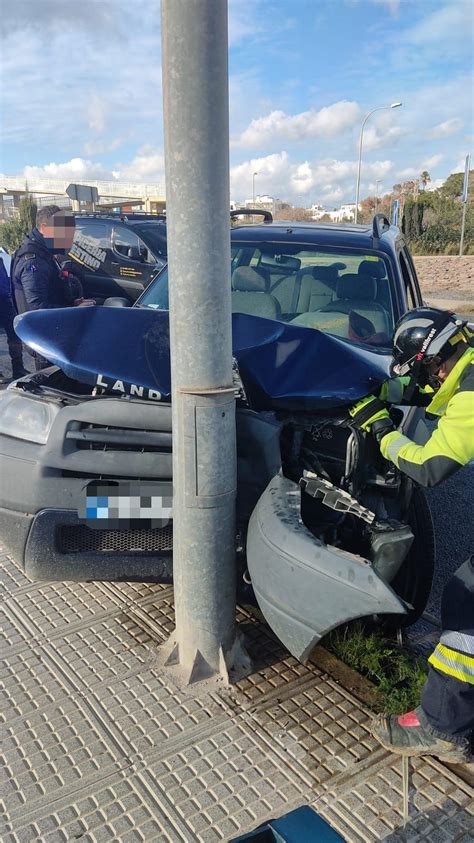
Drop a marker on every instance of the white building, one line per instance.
(346, 213)
(264, 203)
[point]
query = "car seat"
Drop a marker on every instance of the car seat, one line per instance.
(249, 294)
(309, 289)
(355, 294)
(318, 288)
(356, 291)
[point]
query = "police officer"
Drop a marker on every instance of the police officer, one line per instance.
(37, 279)
(434, 358)
(7, 315)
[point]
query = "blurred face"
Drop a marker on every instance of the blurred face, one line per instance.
(439, 371)
(59, 232)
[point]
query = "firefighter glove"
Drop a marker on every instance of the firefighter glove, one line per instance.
(371, 415)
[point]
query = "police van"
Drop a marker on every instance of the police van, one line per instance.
(117, 255)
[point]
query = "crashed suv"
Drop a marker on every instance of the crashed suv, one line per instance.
(327, 530)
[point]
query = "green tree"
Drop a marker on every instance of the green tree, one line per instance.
(13, 231)
(452, 187)
(425, 178)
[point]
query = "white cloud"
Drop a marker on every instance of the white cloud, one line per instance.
(392, 5)
(431, 162)
(323, 180)
(148, 165)
(446, 128)
(81, 86)
(460, 166)
(327, 122)
(243, 23)
(375, 137)
(98, 147)
(408, 173)
(76, 168)
(449, 25)
(96, 111)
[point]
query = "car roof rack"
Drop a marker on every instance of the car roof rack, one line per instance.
(121, 215)
(252, 212)
(380, 224)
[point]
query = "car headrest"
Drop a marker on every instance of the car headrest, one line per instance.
(325, 273)
(354, 286)
(372, 269)
(246, 279)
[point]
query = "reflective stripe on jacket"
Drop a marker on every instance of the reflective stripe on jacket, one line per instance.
(452, 443)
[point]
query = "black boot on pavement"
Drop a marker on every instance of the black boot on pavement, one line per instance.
(405, 734)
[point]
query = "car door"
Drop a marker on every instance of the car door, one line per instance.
(130, 266)
(91, 253)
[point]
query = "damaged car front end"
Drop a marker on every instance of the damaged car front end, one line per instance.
(327, 530)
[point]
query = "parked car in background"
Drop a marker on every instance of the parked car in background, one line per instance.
(322, 518)
(117, 255)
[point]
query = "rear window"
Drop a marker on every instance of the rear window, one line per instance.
(346, 293)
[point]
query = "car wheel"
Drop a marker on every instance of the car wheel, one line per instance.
(414, 579)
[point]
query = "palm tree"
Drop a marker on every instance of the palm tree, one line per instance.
(425, 178)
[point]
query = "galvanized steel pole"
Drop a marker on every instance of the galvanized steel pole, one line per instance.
(196, 120)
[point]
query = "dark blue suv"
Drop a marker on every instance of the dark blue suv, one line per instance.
(327, 530)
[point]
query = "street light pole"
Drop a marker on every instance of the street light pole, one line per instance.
(196, 121)
(377, 182)
(253, 188)
(379, 108)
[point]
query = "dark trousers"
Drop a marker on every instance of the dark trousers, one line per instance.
(15, 348)
(448, 701)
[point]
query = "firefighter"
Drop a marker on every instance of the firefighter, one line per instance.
(433, 357)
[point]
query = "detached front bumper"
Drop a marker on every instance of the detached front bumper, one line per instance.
(305, 588)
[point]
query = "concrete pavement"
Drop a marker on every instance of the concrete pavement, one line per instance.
(100, 745)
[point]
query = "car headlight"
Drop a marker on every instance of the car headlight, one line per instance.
(25, 418)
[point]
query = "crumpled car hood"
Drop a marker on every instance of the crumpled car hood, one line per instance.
(281, 365)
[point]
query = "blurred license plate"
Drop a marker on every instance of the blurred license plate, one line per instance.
(126, 505)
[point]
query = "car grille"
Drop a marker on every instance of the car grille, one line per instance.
(82, 539)
(94, 437)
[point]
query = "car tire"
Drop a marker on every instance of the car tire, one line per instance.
(414, 579)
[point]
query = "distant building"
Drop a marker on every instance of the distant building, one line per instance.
(346, 213)
(265, 203)
(317, 212)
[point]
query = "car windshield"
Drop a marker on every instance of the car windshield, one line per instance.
(347, 293)
(154, 236)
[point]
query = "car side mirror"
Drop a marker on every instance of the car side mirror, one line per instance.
(116, 301)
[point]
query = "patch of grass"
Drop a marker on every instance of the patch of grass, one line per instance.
(397, 676)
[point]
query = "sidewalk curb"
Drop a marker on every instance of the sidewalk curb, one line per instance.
(365, 691)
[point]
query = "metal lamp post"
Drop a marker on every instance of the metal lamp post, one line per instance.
(253, 188)
(377, 182)
(196, 112)
(379, 108)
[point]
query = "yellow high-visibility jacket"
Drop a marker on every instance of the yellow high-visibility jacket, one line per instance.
(452, 443)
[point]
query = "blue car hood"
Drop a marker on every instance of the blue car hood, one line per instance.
(127, 351)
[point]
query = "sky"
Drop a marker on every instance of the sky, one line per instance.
(81, 94)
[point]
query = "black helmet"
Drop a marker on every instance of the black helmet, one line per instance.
(421, 335)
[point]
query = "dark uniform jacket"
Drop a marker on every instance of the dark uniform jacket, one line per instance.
(35, 274)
